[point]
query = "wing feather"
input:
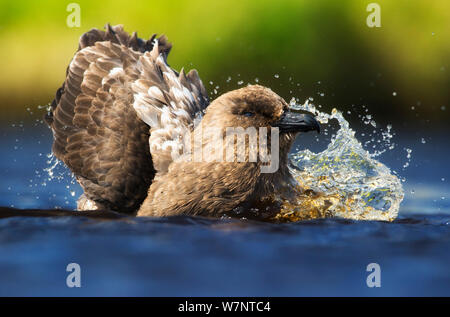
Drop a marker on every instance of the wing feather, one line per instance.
(168, 102)
(117, 86)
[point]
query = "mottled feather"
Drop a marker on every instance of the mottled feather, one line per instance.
(101, 115)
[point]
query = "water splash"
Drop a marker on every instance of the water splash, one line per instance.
(344, 180)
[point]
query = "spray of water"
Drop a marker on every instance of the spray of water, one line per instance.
(344, 180)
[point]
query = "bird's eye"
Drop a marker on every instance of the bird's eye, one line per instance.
(248, 114)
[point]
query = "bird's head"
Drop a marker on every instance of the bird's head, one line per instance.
(258, 107)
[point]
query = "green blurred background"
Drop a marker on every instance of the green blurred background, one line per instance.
(318, 48)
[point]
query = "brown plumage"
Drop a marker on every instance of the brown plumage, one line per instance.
(120, 118)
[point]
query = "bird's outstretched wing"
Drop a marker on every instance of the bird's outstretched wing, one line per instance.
(98, 133)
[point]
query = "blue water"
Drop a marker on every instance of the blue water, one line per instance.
(186, 256)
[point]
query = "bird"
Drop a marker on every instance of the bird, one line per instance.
(130, 128)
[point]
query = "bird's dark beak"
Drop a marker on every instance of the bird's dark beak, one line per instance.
(297, 122)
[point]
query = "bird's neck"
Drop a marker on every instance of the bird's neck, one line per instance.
(272, 190)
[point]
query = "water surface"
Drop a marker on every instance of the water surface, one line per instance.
(187, 256)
